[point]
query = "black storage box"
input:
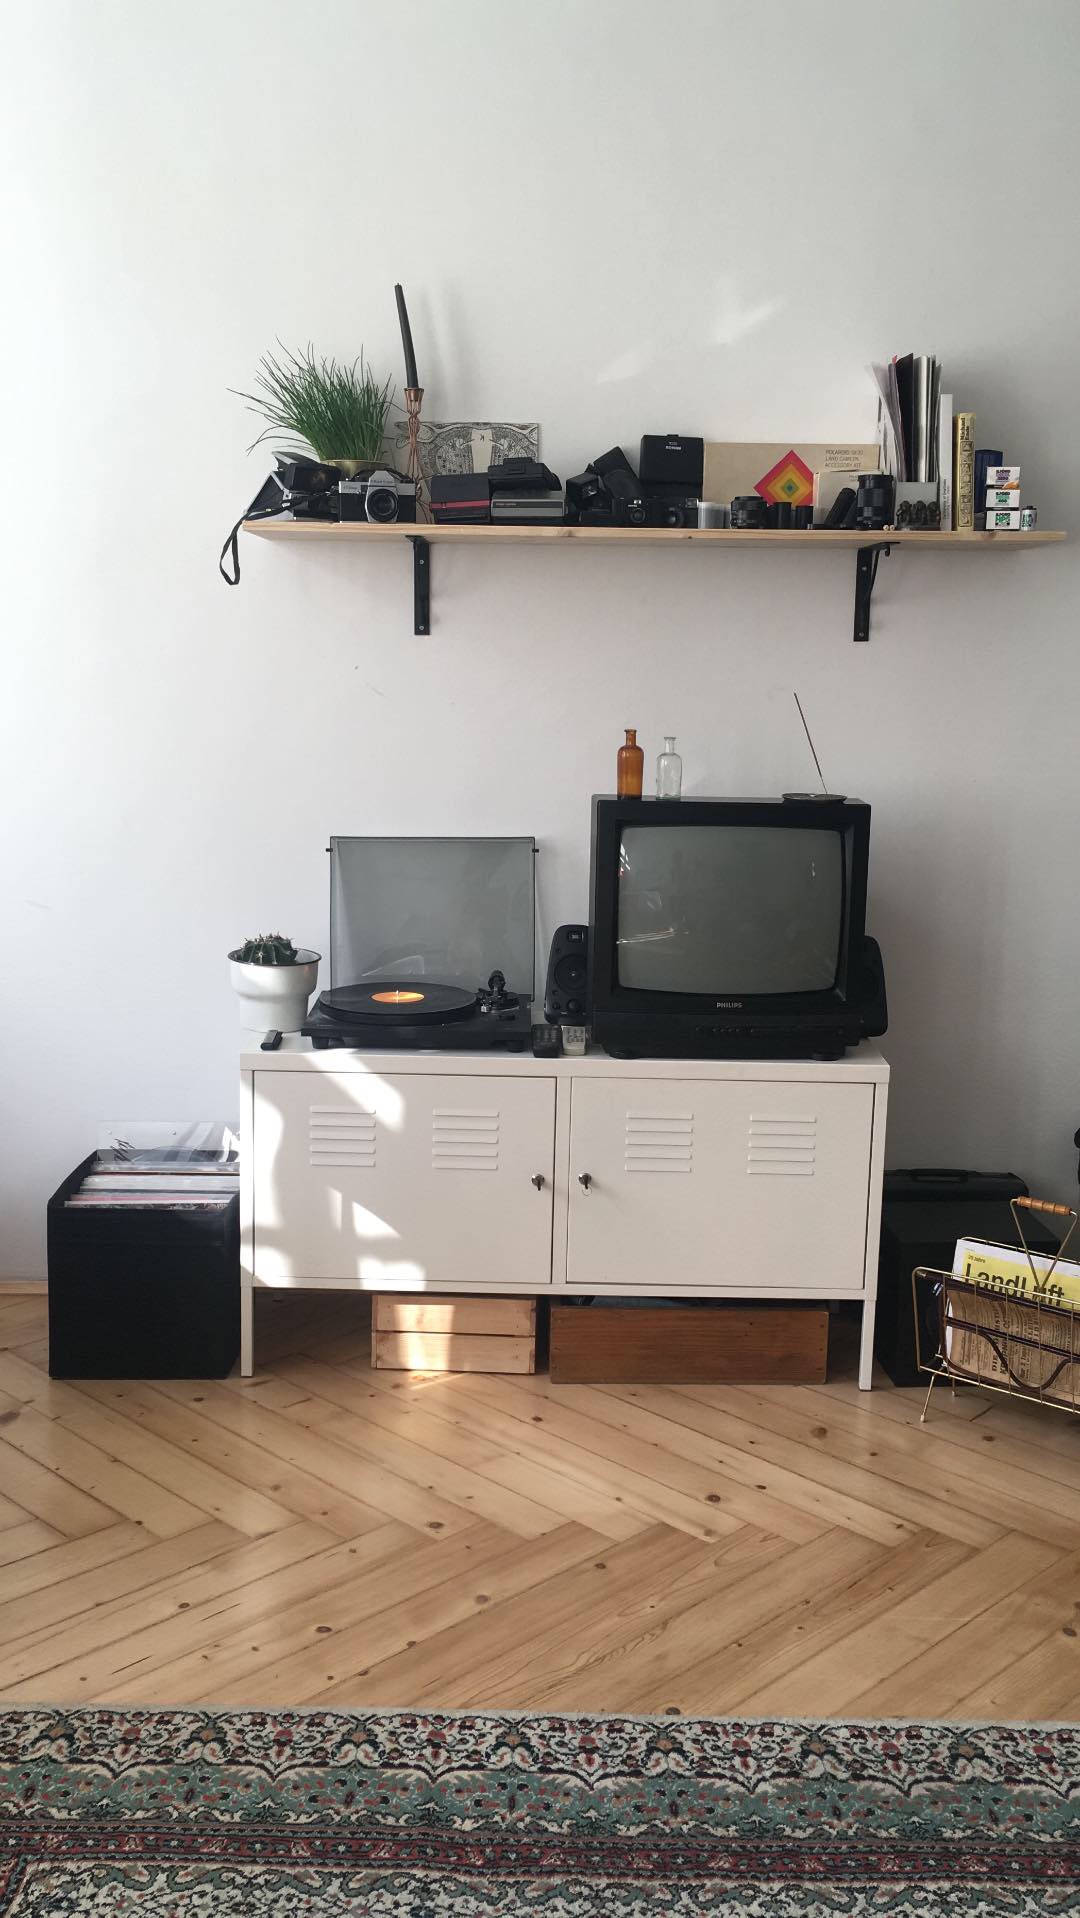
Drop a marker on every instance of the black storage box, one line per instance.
(923, 1213)
(137, 1294)
(460, 499)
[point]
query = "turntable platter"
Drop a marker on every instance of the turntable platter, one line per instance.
(398, 1002)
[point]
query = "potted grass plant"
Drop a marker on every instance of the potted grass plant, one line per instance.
(338, 411)
(274, 981)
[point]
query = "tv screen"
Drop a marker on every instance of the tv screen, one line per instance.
(729, 910)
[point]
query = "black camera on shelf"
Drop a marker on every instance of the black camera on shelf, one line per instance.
(670, 506)
(628, 505)
(610, 493)
(672, 467)
(379, 496)
(607, 493)
(307, 487)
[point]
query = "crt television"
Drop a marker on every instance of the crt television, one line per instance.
(731, 928)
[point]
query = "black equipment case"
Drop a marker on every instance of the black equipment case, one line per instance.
(924, 1212)
(137, 1294)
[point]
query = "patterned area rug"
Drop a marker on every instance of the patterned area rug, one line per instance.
(192, 1814)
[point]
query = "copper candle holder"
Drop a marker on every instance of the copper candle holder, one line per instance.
(413, 398)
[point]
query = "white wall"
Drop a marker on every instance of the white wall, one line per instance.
(612, 218)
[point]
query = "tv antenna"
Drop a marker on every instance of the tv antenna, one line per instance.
(824, 795)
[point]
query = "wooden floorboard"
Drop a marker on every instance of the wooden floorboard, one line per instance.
(327, 1534)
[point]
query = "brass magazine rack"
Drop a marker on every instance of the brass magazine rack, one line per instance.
(1004, 1340)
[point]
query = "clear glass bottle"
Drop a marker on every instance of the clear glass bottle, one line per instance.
(669, 771)
(630, 767)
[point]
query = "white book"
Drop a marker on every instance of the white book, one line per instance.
(944, 463)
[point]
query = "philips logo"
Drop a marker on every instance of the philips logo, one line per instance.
(735, 1005)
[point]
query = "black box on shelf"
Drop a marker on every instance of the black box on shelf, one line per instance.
(672, 460)
(142, 1294)
(924, 1212)
(460, 499)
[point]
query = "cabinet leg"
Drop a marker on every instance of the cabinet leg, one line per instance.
(866, 1345)
(247, 1329)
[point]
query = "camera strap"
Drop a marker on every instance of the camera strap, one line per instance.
(268, 501)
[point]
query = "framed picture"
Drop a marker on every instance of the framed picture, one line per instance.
(466, 446)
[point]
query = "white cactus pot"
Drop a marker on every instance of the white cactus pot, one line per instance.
(274, 998)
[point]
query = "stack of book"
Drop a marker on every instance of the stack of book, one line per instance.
(915, 425)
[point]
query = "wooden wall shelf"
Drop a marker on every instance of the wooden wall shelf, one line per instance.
(868, 547)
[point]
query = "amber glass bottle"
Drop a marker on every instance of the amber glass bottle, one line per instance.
(631, 766)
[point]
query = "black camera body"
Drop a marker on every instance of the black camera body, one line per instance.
(670, 506)
(307, 487)
(607, 493)
(378, 496)
(583, 493)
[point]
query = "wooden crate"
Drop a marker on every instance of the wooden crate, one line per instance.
(440, 1333)
(714, 1342)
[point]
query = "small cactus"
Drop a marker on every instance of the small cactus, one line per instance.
(266, 949)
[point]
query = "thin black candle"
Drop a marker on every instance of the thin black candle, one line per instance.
(406, 339)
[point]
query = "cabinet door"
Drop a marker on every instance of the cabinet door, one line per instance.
(416, 1181)
(745, 1184)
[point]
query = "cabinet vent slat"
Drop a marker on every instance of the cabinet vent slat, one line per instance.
(341, 1135)
(781, 1170)
(657, 1165)
(465, 1165)
(642, 1149)
(465, 1139)
(780, 1147)
(658, 1142)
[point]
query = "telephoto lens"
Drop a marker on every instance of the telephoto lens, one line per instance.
(875, 502)
(748, 510)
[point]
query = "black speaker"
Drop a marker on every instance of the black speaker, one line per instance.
(565, 1001)
(924, 1212)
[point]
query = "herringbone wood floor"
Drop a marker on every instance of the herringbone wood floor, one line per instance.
(328, 1534)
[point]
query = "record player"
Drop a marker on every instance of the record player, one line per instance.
(413, 924)
(384, 1013)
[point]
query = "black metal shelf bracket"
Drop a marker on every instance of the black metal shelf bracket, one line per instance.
(421, 580)
(866, 565)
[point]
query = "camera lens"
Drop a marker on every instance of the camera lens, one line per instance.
(381, 503)
(748, 510)
(635, 514)
(875, 504)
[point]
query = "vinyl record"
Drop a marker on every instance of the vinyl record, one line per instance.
(403, 1002)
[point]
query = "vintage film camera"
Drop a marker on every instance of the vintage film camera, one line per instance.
(380, 495)
(663, 492)
(316, 489)
(313, 489)
(306, 488)
(607, 493)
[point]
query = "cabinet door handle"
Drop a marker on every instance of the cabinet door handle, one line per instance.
(538, 1181)
(584, 1180)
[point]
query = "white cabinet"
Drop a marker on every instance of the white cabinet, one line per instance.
(417, 1181)
(473, 1171)
(691, 1184)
